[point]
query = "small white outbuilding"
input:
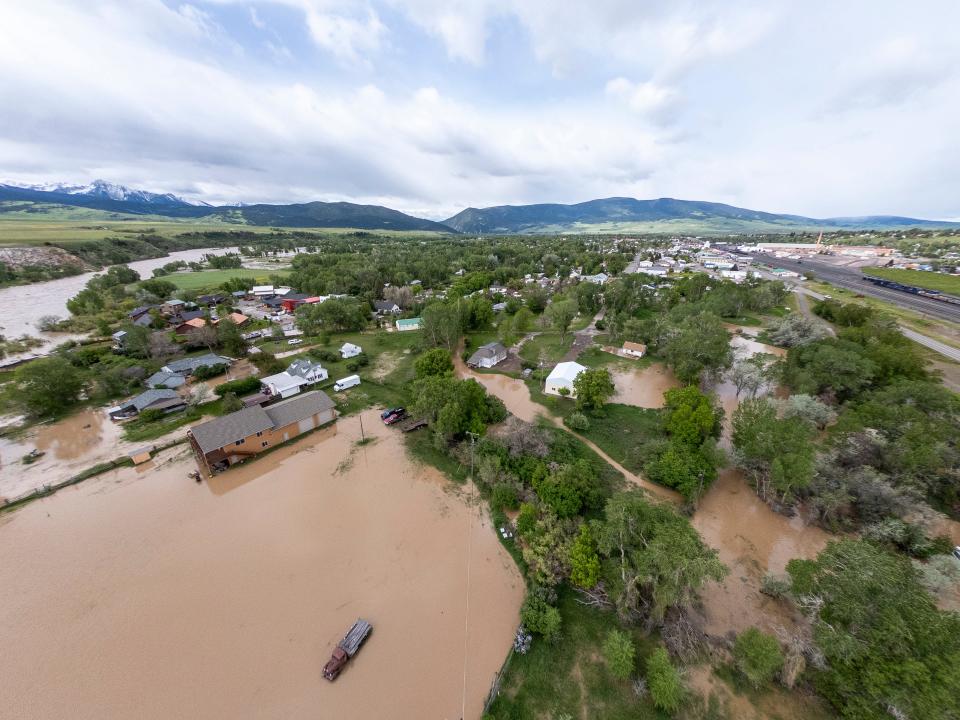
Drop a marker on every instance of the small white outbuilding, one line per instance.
(349, 350)
(562, 376)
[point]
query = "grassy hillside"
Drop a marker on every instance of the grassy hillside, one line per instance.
(919, 278)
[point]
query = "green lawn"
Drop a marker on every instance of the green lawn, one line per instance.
(621, 430)
(919, 278)
(212, 279)
(569, 678)
(548, 346)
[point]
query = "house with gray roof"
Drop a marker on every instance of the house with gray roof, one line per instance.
(155, 399)
(244, 434)
(310, 371)
(161, 379)
(488, 355)
(188, 366)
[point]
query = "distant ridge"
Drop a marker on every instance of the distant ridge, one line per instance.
(617, 214)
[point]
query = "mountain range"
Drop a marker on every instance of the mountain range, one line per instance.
(666, 215)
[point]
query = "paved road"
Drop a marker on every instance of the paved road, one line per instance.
(935, 345)
(852, 279)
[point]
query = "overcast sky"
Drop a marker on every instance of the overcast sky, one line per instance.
(429, 106)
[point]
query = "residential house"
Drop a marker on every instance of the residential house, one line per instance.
(409, 324)
(282, 385)
(172, 307)
(139, 312)
(488, 355)
(211, 300)
(310, 371)
(188, 366)
(499, 307)
(244, 434)
(386, 307)
(263, 291)
(237, 319)
(169, 380)
(291, 301)
(349, 350)
(598, 279)
(145, 320)
(160, 399)
(637, 350)
(119, 340)
(560, 380)
(190, 326)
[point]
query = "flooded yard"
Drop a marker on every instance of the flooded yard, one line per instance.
(152, 596)
(642, 387)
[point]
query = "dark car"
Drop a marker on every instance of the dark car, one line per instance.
(388, 412)
(398, 415)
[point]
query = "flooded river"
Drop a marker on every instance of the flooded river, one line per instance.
(24, 305)
(151, 596)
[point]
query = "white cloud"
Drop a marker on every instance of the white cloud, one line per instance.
(646, 98)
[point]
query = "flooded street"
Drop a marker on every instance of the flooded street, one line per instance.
(24, 305)
(155, 597)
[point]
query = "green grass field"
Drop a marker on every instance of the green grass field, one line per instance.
(212, 279)
(919, 278)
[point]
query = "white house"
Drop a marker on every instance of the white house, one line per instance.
(283, 384)
(310, 371)
(488, 355)
(598, 279)
(349, 350)
(637, 350)
(562, 376)
(409, 324)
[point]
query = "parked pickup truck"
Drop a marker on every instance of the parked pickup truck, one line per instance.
(347, 648)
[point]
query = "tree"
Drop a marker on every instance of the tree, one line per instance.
(440, 323)
(808, 408)
(757, 656)
(343, 314)
(540, 617)
(593, 388)
(688, 469)
(161, 345)
(698, 344)
(560, 313)
(584, 560)
(748, 376)
(690, 415)
(435, 362)
(161, 289)
(568, 488)
(229, 338)
(231, 403)
(309, 318)
(536, 299)
(523, 320)
(47, 386)
(666, 687)
(620, 654)
(889, 651)
(795, 329)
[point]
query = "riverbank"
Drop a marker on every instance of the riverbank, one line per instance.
(149, 595)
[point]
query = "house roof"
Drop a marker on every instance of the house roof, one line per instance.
(175, 302)
(197, 322)
(566, 371)
(297, 408)
(226, 430)
(143, 320)
(284, 381)
(303, 367)
(350, 346)
(489, 350)
(628, 345)
(138, 311)
(409, 321)
(385, 305)
(188, 365)
(151, 397)
(165, 379)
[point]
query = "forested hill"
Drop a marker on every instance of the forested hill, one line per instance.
(661, 215)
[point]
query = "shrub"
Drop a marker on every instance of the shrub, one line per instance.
(504, 497)
(619, 652)
(757, 656)
(325, 355)
(527, 519)
(666, 688)
(208, 371)
(151, 415)
(577, 421)
(240, 387)
(540, 617)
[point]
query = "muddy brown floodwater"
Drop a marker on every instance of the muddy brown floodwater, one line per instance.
(642, 387)
(151, 596)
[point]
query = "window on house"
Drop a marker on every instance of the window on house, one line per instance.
(264, 443)
(240, 442)
(259, 434)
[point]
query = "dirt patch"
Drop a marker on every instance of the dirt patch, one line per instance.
(149, 595)
(386, 364)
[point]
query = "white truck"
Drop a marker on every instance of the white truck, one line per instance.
(347, 382)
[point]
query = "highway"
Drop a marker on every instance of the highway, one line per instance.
(852, 279)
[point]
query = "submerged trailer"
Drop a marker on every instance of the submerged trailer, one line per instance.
(347, 648)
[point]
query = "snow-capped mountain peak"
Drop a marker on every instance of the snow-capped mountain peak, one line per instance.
(108, 190)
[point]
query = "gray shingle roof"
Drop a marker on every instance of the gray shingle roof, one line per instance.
(148, 398)
(165, 379)
(297, 408)
(188, 365)
(226, 430)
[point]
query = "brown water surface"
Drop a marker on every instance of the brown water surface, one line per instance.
(642, 387)
(151, 596)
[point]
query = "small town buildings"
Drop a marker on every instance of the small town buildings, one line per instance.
(488, 355)
(139, 312)
(190, 326)
(238, 319)
(211, 300)
(349, 350)
(169, 380)
(263, 291)
(188, 366)
(386, 307)
(119, 340)
(166, 400)
(560, 380)
(310, 371)
(282, 385)
(409, 324)
(598, 279)
(145, 320)
(637, 350)
(244, 434)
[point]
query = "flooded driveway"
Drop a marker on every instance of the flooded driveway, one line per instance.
(154, 597)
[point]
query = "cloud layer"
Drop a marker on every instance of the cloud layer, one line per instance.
(432, 105)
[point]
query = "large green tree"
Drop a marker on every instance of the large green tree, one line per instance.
(593, 389)
(698, 344)
(47, 386)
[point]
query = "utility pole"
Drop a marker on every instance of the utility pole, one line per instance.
(362, 438)
(473, 441)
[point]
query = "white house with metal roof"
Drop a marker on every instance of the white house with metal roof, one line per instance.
(560, 380)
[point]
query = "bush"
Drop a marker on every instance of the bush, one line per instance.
(666, 688)
(504, 497)
(577, 421)
(244, 386)
(540, 617)
(208, 371)
(757, 656)
(152, 415)
(361, 360)
(527, 519)
(328, 356)
(619, 652)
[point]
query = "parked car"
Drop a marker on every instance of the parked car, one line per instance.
(388, 412)
(295, 341)
(396, 416)
(956, 552)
